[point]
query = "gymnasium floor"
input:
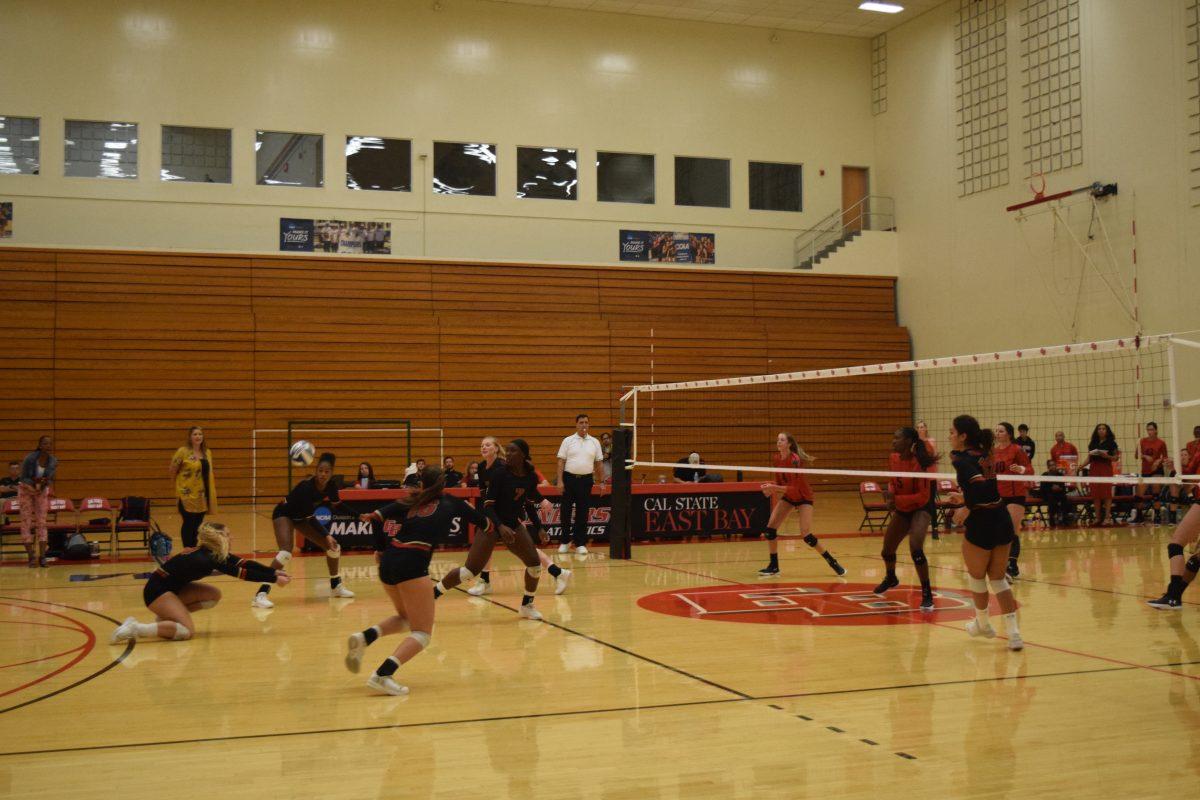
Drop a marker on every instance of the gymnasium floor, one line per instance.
(611, 699)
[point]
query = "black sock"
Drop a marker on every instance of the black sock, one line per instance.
(1176, 587)
(334, 581)
(828, 556)
(388, 667)
(371, 634)
(527, 599)
(265, 588)
(890, 563)
(555, 570)
(485, 576)
(774, 559)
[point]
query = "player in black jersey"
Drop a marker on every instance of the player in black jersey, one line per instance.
(294, 514)
(532, 520)
(989, 532)
(174, 590)
(510, 486)
(406, 533)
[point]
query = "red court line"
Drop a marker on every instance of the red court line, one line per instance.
(39, 624)
(43, 658)
(84, 649)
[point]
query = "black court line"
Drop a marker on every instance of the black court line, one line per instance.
(81, 681)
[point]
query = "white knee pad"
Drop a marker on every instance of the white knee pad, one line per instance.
(283, 557)
(978, 585)
(420, 637)
(181, 633)
(203, 604)
(465, 575)
(999, 586)
(534, 572)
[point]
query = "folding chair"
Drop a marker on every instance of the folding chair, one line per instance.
(875, 512)
(105, 531)
(129, 522)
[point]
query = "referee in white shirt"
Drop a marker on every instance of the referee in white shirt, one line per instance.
(580, 465)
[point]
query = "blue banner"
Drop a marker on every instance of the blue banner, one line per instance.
(296, 234)
(668, 247)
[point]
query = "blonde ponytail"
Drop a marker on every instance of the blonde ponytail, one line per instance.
(214, 537)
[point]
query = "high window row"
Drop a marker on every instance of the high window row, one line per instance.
(205, 155)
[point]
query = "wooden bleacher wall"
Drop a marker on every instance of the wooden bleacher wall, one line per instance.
(117, 353)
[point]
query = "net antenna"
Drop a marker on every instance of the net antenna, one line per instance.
(1123, 383)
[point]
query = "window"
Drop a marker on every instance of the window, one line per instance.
(624, 178)
(20, 146)
(379, 164)
(547, 173)
(464, 168)
(774, 187)
(290, 159)
(100, 149)
(702, 182)
(197, 155)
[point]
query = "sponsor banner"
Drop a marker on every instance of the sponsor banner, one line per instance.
(335, 236)
(6, 220)
(344, 526)
(668, 247)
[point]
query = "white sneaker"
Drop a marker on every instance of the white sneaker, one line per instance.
(125, 631)
(261, 600)
(975, 629)
(480, 589)
(1133, 517)
(562, 581)
(581, 551)
(1015, 642)
(356, 648)
(385, 684)
(341, 591)
(527, 611)
(564, 548)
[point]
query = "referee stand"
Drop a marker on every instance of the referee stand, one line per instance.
(619, 545)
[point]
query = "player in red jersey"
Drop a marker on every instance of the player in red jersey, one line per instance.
(1186, 533)
(1152, 452)
(1009, 458)
(912, 504)
(1064, 451)
(793, 492)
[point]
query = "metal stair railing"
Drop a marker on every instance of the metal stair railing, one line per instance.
(874, 212)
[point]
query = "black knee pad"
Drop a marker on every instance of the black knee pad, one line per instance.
(1193, 564)
(810, 540)
(918, 557)
(1174, 550)
(771, 534)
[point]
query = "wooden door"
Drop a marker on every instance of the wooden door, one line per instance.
(854, 189)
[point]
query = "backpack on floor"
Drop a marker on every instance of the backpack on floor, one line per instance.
(78, 548)
(160, 544)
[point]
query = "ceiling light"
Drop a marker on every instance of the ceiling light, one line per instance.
(883, 8)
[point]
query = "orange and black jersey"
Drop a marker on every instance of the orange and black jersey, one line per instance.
(909, 494)
(425, 525)
(303, 499)
(1003, 458)
(508, 493)
(977, 477)
(797, 486)
(196, 563)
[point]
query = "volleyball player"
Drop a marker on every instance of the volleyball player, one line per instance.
(1182, 573)
(511, 485)
(537, 531)
(406, 533)
(294, 514)
(1102, 456)
(912, 501)
(173, 591)
(989, 531)
(792, 491)
(1010, 458)
(931, 447)
(1152, 452)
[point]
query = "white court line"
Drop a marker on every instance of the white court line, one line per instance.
(699, 608)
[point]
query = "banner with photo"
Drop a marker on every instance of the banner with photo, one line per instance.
(335, 236)
(6, 220)
(669, 247)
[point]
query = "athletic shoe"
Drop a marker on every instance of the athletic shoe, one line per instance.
(581, 551)
(527, 611)
(340, 591)
(889, 582)
(1165, 603)
(261, 600)
(1133, 517)
(385, 684)
(769, 571)
(45, 562)
(1015, 642)
(927, 600)
(563, 549)
(936, 536)
(125, 631)
(838, 568)
(356, 648)
(562, 582)
(975, 629)
(480, 589)
(1012, 570)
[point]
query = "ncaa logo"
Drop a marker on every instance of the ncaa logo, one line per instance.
(323, 515)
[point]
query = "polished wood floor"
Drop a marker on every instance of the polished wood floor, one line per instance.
(608, 699)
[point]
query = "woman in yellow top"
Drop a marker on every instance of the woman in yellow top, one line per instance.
(195, 485)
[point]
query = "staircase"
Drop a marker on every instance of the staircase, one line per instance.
(872, 213)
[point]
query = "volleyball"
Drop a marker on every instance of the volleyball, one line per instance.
(302, 453)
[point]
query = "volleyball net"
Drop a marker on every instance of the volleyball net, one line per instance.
(845, 416)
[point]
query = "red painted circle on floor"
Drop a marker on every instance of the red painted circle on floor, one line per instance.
(833, 603)
(48, 664)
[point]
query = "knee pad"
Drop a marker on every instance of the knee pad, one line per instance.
(978, 585)
(1174, 550)
(810, 540)
(465, 575)
(771, 534)
(1193, 564)
(999, 585)
(204, 604)
(918, 557)
(534, 572)
(283, 557)
(420, 637)
(181, 633)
